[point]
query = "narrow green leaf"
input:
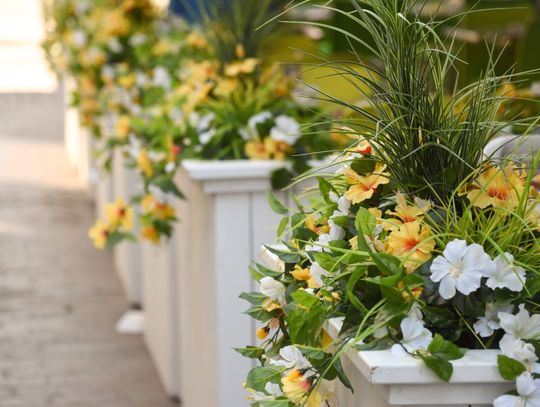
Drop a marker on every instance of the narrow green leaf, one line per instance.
(275, 204)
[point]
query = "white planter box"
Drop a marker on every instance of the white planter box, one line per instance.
(223, 223)
(381, 379)
(127, 255)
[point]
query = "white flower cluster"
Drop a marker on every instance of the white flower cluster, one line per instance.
(285, 128)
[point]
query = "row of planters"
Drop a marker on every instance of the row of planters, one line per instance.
(180, 130)
(408, 238)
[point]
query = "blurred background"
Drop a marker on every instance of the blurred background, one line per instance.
(60, 300)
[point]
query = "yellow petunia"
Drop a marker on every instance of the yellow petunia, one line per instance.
(119, 214)
(500, 188)
(99, 234)
(363, 187)
(144, 164)
(413, 241)
(259, 149)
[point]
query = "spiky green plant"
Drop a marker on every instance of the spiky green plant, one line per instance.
(228, 24)
(430, 134)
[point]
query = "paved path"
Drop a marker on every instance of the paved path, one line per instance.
(59, 298)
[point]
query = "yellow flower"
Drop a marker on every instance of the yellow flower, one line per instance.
(280, 149)
(296, 387)
(263, 332)
(144, 164)
(404, 213)
(151, 234)
(246, 66)
(120, 214)
(122, 127)
(99, 234)
(363, 187)
(500, 188)
(127, 81)
(225, 87)
(301, 274)
(269, 305)
(259, 149)
(326, 339)
(411, 240)
(196, 41)
(160, 210)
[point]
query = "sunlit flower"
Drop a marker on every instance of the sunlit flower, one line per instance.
(486, 325)
(506, 274)
(363, 187)
(145, 164)
(225, 87)
(415, 336)
(118, 213)
(413, 241)
(528, 390)
(460, 267)
(405, 213)
(301, 274)
(122, 127)
(99, 234)
(195, 40)
(500, 188)
(297, 387)
(259, 149)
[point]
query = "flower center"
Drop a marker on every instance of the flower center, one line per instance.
(410, 244)
(499, 193)
(455, 271)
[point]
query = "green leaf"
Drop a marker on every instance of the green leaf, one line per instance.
(272, 403)
(259, 313)
(281, 227)
(390, 281)
(286, 256)
(387, 263)
(266, 272)
(325, 260)
(445, 349)
(252, 352)
(509, 368)
(166, 184)
(441, 367)
(253, 298)
(259, 376)
(304, 298)
(365, 223)
(275, 204)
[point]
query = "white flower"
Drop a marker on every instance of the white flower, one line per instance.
(176, 115)
(141, 79)
(170, 167)
(137, 39)
(535, 88)
(505, 274)
(254, 121)
(415, 336)
(206, 136)
(286, 129)
(486, 325)
(317, 273)
(114, 45)
(272, 289)
(79, 38)
(201, 123)
(162, 78)
(272, 391)
(528, 393)
(521, 325)
(460, 267)
(336, 231)
(291, 358)
(319, 244)
(343, 204)
(520, 350)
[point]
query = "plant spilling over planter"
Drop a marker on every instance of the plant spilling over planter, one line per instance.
(416, 241)
(162, 91)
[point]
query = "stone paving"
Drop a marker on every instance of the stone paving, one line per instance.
(59, 298)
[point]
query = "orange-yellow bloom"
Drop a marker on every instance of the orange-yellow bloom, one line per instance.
(144, 164)
(245, 66)
(413, 241)
(123, 127)
(296, 387)
(301, 274)
(363, 187)
(259, 149)
(119, 214)
(151, 234)
(161, 210)
(99, 234)
(500, 188)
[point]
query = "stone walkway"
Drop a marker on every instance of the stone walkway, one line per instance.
(59, 298)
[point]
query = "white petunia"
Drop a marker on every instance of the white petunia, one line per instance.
(336, 231)
(271, 392)
(343, 204)
(505, 274)
(79, 38)
(272, 289)
(320, 244)
(520, 350)
(291, 358)
(317, 273)
(415, 336)
(206, 136)
(201, 123)
(528, 390)
(521, 325)
(253, 122)
(486, 325)
(162, 78)
(286, 129)
(114, 45)
(137, 39)
(460, 267)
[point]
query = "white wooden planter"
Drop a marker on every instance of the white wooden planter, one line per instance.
(381, 379)
(127, 255)
(223, 223)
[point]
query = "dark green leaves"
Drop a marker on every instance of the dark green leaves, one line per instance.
(509, 368)
(259, 376)
(365, 222)
(252, 352)
(440, 353)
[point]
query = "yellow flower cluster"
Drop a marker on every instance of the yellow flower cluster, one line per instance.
(119, 218)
